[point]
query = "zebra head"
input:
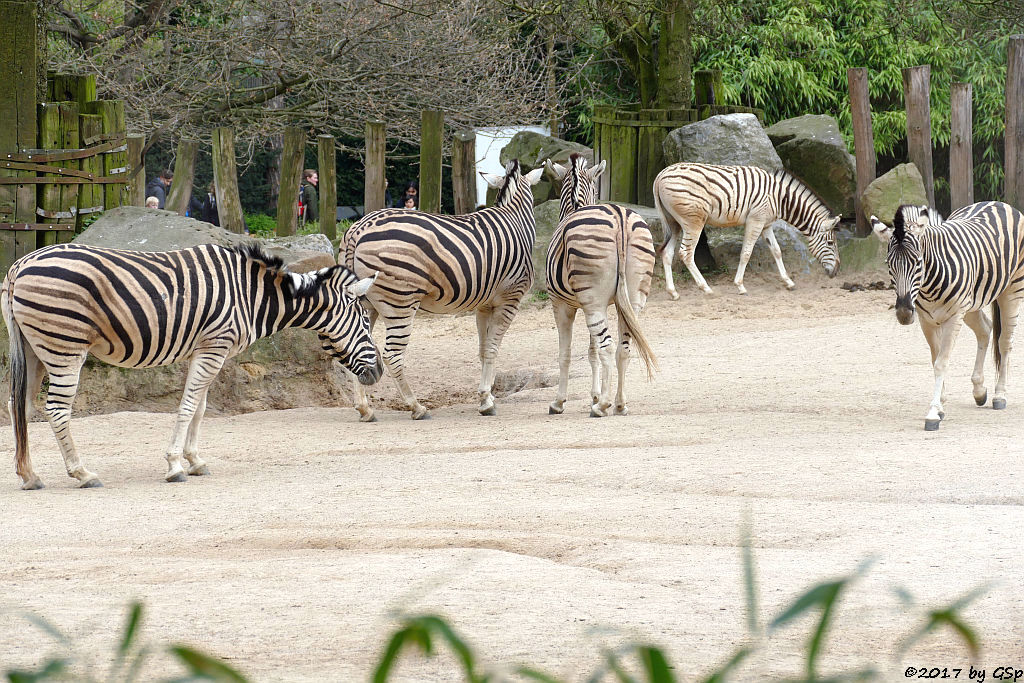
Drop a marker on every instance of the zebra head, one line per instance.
(579, 184)
(346, 334)
(513, 184)
(821, 241)
(906, 257)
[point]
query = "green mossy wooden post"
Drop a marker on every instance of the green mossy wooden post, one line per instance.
(90, 196)
(375, 180)
(327, 169)
(291, 179)
(650, 154)
(225, 176)
(17, 123)
(623, 165)
(115, 163)
(602, 121)
(916, 94)
(1014, 137)
(66, 88)
(136, 170)
(961, 148)
(464, 171)
(708, 92)
(184, 176)
(431, 134)
(58, 129)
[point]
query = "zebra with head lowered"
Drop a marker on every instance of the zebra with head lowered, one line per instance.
(599, 255)
(447, 264)
(144, 309)
(690, 196)
(948, 272)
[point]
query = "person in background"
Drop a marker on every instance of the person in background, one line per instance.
(411, 190)
(410, 203)
(209, 212)
(310, 199)
(152, 203)
(157, 187)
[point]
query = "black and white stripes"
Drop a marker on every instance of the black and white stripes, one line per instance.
(145, 309)
(948, 272)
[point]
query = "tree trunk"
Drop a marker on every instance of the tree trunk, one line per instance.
(675, 55)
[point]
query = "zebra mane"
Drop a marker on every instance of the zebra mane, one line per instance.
(512, 173)
(786, 175)
(292, 284)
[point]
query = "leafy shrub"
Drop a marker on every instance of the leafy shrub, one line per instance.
(261, 225)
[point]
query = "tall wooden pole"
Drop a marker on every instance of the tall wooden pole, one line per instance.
(291, 179)
(225, 178)
(184, 176)
(90, 196)
(432, 128)
(961, 154)
(464, 171)
(374, 184)
(1014, 137)
(136, 170)
(863, 141)
(916, 93)
(327, 169)
(58, 129)
(17, 122)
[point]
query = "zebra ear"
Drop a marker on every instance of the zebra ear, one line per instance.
(358, 289)
(495, 181)
(881, 230)
(556, 170)
(535, 175)
(596, 171)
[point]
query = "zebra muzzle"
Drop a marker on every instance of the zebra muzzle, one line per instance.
(904, 315)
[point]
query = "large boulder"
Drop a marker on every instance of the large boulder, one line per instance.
(726, 244)
(533, 148)
(726, 139)
(547, 220)
(812, 149)
(901, 185)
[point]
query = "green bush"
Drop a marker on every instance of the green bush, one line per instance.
(261, 225)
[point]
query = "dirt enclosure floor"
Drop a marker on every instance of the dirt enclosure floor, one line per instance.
(545, 538)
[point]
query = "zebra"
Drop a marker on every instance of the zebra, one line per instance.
(948, 272)
(599, 255)
(447, 264)
(145, 309)
(688, 196)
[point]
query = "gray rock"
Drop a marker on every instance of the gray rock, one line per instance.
(547, 220)
(812, 148)
(821, 127)
(650, 216)
(533, 148)
(727, 243)
(726, 139)
(901, 185)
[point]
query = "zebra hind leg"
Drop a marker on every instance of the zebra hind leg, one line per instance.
(565, 316)
(603, 349)
(398, 332)
(496, 325)
(59, 399)
(982, 328)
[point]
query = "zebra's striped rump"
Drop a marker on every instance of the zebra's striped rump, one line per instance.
(145, 309)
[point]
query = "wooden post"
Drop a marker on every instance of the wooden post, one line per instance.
(1014, 137)
(650, 157)
(916, 93)
(863, 141)
(327, 169)
(961, 151)
(136, 170)
(291, 178)
(184, 176)
(17, 122)
(65, 88)
(602, 115)
(464, 171)
(90, 196)
(58, 129)
(623, 139)
(431, 133)
(111, 113)
(225, 177)
(375, 179)
(707, 88)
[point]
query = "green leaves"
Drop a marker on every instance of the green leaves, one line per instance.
(421, 632)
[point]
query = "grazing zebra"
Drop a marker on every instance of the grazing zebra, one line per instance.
(949, 272)
(143, 309)
(599, 255)
(688, 196)
(447, 264)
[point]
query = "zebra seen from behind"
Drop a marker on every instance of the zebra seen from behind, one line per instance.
(447, 264)
(690, 196)
(145, 309)
(599, 255)
(948, 272)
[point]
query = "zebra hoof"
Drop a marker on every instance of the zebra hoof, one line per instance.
(368, 418)
(93, 483)
(674, 296)
(200, 471)
(176, 478)
(942, 415)
(981, 401)
(594, 412)
(999, 404)
(622, 410)
(931, 425)
(489, 411)
(33, 484)
(423, 416)
(555, 411)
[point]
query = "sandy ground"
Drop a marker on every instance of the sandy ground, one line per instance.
(546, 538)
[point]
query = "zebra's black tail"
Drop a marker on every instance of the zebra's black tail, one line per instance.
(997, 332)
(19, 389)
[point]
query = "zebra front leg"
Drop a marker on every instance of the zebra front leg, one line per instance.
(202, 370)
(59, 399)
(398, 331)
(601, 341)
(360, 400)
(565, 316)
(944, 337)
(1008, 309)
(196, 465)
(751, 232)
(773, 246)
(497, 324)
(982, 328)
